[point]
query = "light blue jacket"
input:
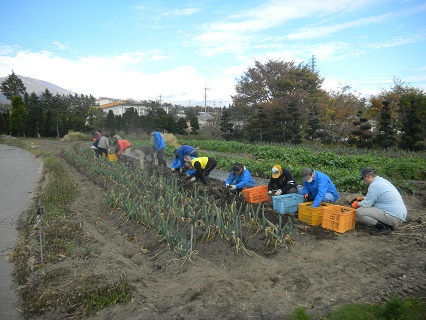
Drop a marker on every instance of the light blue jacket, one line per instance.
(158, 141)
(383, 195)
(242, 181)
(320, 185)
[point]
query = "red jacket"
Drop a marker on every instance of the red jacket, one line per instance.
(122, 145)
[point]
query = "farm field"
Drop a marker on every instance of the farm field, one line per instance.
(314, 268)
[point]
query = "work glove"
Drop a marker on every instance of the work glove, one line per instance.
(232, 187)
(173, 169)
(306, 196)
(355, 205)
(270, 192)
(359, 198)
(192, 179)
(278, 192)
(188, 176)
(227, 185)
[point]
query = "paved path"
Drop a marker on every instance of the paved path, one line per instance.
(19, 172)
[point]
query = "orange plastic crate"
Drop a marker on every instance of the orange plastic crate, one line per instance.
(256, 194)
(312, 216)
(338, 218)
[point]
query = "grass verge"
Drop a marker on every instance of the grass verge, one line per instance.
(51, 277)
(407, 308)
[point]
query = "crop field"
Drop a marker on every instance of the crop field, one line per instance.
(160, 247)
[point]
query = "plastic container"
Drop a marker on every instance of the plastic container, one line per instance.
(112, 157)
(312, 216)
(338, 218)
(287, 203)
(256, 194)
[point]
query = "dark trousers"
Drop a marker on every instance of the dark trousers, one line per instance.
(203, 176)
(160, 158)
(101, 151)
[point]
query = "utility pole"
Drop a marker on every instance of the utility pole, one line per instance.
(205, 98)
(313, 63)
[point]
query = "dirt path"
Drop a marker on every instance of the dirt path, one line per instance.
(319, 271)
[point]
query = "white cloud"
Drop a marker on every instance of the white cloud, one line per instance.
(115, 77)
(315, 31)
(402, 40)
(181, 12)
(238, 30)
(59, 45)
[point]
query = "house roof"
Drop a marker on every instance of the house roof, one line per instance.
(111, 104)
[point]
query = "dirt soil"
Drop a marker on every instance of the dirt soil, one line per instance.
(318, 270)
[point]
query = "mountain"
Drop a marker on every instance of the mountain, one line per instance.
(36, 86)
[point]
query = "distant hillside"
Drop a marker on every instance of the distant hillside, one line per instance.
(36, 86)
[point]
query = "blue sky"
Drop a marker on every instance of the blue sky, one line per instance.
(175, 49)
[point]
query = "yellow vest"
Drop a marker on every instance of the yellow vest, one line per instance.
(202, 160)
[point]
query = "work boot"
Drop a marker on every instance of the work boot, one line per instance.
(380, 229)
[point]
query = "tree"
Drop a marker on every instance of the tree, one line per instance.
(195, 126)
(226, 126)
(293, 134)
(12, 86)
(275, 84)
(413, 134)
(4, 122)
(385, 137)
(340, 109)
(18, 116)
(181, 126)
(110, 121)
(313, 130)
(257, 126)
(35, 116)
(362, 135)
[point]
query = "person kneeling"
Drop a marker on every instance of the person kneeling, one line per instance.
(240, 178)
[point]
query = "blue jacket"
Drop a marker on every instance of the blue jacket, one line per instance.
(184, 151)
(241, 181)
(176, 164)
(158, 141)
(317, 189)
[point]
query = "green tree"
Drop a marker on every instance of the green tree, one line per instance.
(413, 134)
(340, 109)
(96, 120)
(275, 84)
(258, 126)
(35, 116)
(385, 137)
(293, 133)
(226, 126)
(195, 126)
(12, 86)
(362, 135)
(314, 129)
(181, 126)
(18, 116)
(110, 121)
(4, 122)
